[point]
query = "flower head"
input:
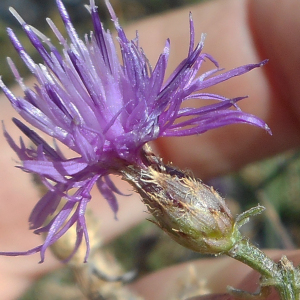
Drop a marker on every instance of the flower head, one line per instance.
(190, 212)
(105, 111)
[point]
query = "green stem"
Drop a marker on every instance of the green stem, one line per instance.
(282, 275)
(250, 255)
(288, 285)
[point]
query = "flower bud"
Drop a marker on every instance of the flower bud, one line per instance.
(190, 212)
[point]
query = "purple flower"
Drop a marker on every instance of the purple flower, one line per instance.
(105, 111)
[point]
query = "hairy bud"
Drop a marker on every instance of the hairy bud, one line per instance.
(192, 213)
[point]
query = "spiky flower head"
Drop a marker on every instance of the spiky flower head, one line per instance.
(105, 111)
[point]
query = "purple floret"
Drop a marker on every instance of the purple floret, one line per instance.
(105, 111)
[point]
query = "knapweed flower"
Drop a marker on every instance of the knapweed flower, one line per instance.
(105, 110)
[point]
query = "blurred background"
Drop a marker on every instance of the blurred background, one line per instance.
(274, 183)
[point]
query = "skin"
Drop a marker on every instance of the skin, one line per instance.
(239, 32)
